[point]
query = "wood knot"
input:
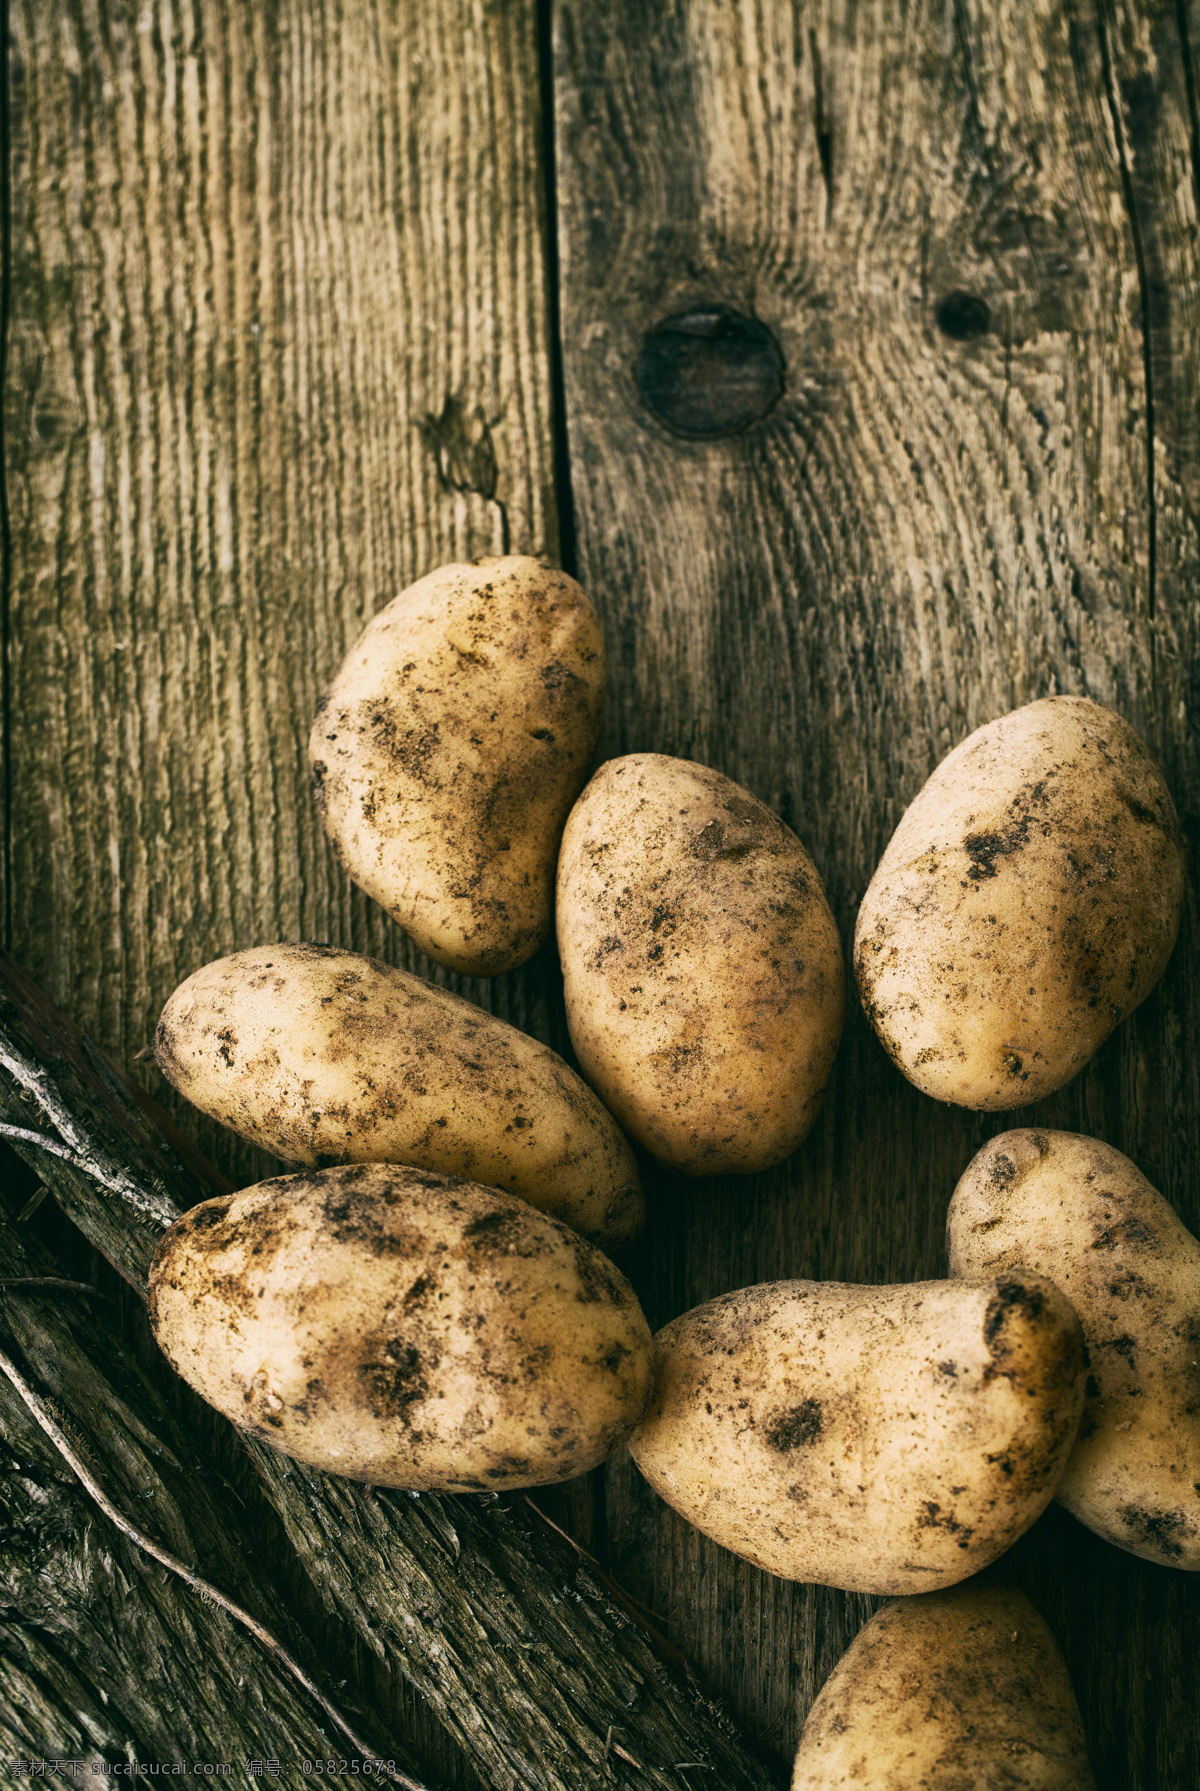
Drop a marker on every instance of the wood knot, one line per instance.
(709, 373)
(963, 316)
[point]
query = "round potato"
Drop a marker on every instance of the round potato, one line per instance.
(703, 971)
(403, 1328)
(880, 1439)
(1078, 1211)
(1027, 902)
(324, 1057)
(952, 1690)
(453, 740)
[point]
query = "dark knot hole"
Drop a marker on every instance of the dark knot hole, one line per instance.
(709, 373)
(963, 316)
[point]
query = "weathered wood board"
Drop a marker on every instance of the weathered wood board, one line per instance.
(926, 530)
(278, 343)
(282, 312)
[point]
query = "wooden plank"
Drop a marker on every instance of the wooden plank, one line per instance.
(934, 523)
(279, 346)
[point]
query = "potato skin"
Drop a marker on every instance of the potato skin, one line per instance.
(402, 1328)
(1078, 1211)
(951, 1691)
(703, 971)
(1027, 902)
(880, 1439)
(321, 1056)
(449, 747)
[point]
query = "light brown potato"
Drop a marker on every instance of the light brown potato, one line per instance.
(450, 745)
(704, 978)
(1027, 902)
(954, 1691)
(403, 1328)
(1078, 1211)
(880, 1439)
(323, 1057)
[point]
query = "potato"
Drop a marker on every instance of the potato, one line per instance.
(1027, 902)
(704, 979)
(880, 1439)
(953, 1691)
(323, 1057)
(403, 1328)
(1078, 1211)
(451, 743)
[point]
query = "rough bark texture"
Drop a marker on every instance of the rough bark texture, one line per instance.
(948, 512)
(540, 1671)
(107, 1656)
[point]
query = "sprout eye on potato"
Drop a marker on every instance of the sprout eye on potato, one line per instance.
(702, 967)
(1078, 1211)
(405, 1329)
(952, 1690)
(1027, 902)
(450, 745)
(321, 1056)
(880, 1439)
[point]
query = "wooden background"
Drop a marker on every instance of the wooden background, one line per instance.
(303, 299)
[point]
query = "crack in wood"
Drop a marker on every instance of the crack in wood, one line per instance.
(1116, 114)
(822, 125)
(1193, 104)
(6, 554)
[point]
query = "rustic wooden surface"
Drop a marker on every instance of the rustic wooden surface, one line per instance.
(279, 306)
(495, 1619)
(106, 1656)
(280, 342)
(924, 533)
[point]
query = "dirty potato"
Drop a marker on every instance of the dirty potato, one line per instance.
(1078, 1211)
(402, 1328)
(1027, 902)
(880, 1439)
(950, 1691)
(323, 1057)
(703, 970)
(449, 748)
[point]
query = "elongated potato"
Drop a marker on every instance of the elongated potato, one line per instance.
(703, 970)
(1027, 902)
(450, 745)
(403, 1328)
(322, 1057)
(880, 1439)
(1078, 1211)
(955, 1691)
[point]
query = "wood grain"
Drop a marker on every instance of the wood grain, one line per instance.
(105, 1655)
(531, 1661)
(54, 1081)
(279, 344)
(278, 347)
(924, 533)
